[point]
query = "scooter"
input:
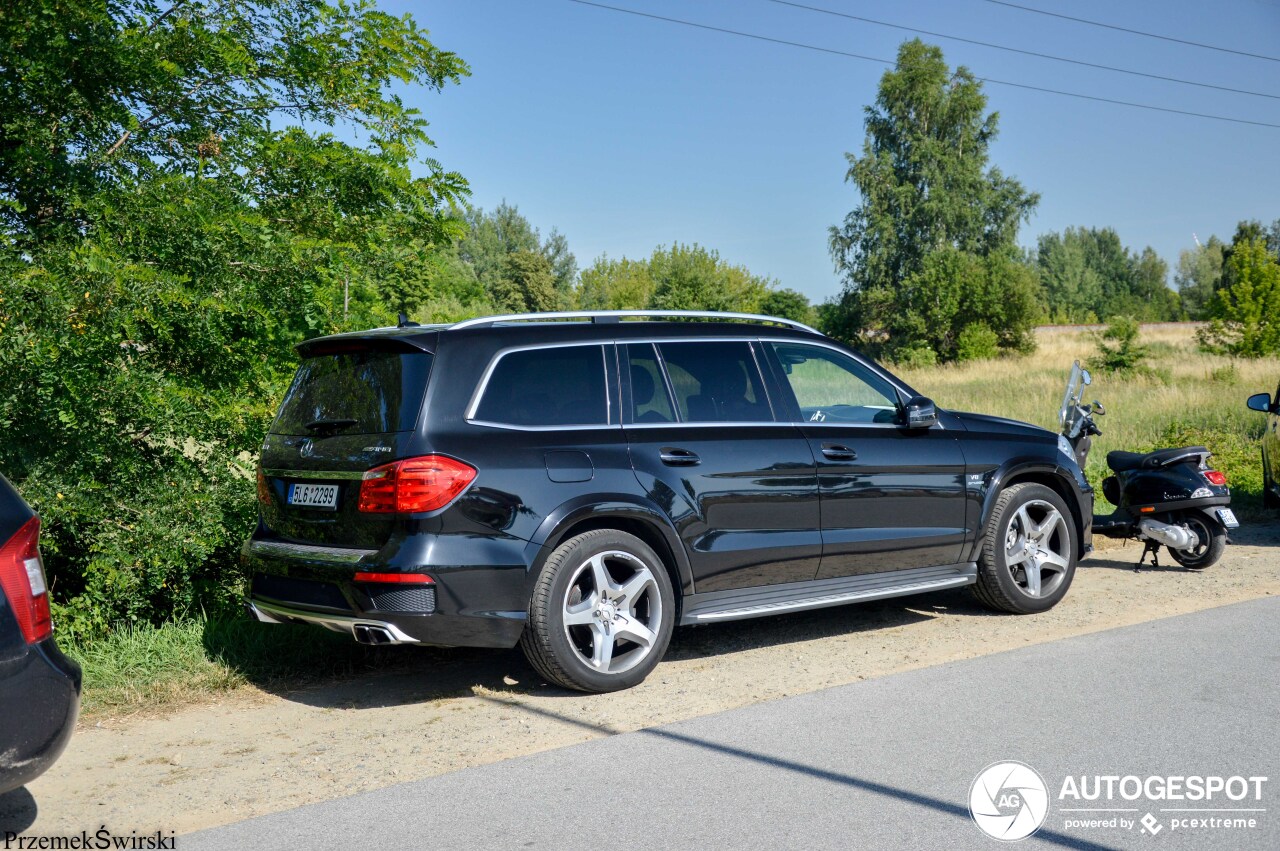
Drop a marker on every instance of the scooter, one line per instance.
(1169, 497)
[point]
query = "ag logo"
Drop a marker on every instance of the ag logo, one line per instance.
(1008, 801)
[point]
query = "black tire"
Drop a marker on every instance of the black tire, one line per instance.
(1213, 541)
(559, 652)
(1005, 587)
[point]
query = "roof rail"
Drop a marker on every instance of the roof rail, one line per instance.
(616, 315)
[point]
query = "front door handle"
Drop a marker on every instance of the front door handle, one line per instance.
(678, 457)
(837, 452)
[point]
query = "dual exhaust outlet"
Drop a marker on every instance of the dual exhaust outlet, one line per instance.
(366, 633)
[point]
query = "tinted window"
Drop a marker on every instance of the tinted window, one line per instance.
(547, 387)
(716, 382)
(831, 387)
(650, 402)
(361, 392)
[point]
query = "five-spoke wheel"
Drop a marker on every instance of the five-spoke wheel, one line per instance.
(601, 613)
(1029, 551)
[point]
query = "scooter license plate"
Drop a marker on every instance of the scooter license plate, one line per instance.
(1228, 518)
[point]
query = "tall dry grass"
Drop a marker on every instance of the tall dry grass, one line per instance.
(1192, 397)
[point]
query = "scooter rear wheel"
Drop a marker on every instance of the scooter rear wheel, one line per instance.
(1213, 542)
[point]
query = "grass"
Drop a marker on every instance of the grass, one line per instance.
(149, 667)
(1189, 397)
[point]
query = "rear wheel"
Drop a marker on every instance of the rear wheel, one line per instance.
(1028, 551)
(1212, 542)
(602, 613)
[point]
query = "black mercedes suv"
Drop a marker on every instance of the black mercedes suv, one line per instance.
(579, 485)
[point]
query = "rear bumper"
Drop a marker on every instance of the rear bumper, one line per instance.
(474, 605)
(39, 702)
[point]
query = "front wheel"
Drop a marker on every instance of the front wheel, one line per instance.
(1028, 551)
(602, 613)
(1211, 542)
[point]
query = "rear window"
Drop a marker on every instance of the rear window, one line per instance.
(547, 387)
(360, 392)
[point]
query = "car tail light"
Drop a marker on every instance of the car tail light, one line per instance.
(1213, 477)
(264, 492)
(414, 484)
(22, 578)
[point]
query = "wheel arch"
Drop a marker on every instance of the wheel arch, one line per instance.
(1040, 473)
(627, 514)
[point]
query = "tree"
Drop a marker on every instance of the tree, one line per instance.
(1245, 313)
(787, 304)
(615, 285)
(1198, 276)
(1088, 274)
(527, 284)
(690, 277)
(166, 237)
(925, 189)
(494, 235)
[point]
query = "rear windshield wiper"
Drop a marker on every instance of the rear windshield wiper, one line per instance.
(330, 425)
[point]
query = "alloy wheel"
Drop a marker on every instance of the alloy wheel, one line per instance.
(1037, 548)
(612, 611)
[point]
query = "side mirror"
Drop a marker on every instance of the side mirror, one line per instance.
(919, 412)
(1260, 402)
(1086, 377)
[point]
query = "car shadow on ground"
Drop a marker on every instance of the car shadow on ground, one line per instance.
(409, 675)
(18, 811)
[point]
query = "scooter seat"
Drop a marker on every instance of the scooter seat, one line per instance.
(1122, 462)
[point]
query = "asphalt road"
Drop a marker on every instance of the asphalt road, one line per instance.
(885, 763)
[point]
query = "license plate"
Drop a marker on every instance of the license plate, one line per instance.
(314, 496)
(1228, 518)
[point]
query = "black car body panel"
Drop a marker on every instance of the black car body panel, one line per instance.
(39, 686)
(757, 499)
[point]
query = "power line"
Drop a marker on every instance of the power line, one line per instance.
(1024, 52)
(835, 52)
(1135, 32)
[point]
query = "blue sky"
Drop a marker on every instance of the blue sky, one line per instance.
(627, 133)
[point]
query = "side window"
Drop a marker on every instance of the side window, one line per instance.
(716, 382)
(547, 387)
(833, 388)
(650, 402)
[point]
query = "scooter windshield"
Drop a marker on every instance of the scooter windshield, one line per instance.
(1070, 409)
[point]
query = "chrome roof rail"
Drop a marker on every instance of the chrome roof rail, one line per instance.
(616, 315)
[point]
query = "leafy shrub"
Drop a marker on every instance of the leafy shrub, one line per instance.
(1119, 350)
(977, 342)
(916, 356)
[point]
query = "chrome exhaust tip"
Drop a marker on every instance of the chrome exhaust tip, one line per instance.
(371, 634)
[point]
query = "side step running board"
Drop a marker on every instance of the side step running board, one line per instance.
(797, 596)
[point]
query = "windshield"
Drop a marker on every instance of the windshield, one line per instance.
(356, 392)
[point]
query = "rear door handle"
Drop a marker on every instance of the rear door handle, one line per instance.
(837, 452)
(678, 457)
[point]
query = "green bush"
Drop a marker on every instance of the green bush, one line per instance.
(977, 342)
(915, 356)
(1119, 350)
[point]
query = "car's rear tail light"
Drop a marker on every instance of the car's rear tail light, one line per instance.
(264, 492)
(1213, 477)
(22, 578)
(396, 578)
(414, 484)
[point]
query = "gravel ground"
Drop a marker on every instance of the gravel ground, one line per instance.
(253, 752)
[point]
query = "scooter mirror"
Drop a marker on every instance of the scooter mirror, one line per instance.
(1098, 409)
(1086, 377)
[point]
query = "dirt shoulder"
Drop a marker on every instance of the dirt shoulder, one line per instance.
(254, 752)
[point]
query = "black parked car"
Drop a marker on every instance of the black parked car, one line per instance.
(581, 487)
(39, 687)
(1270, 446)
